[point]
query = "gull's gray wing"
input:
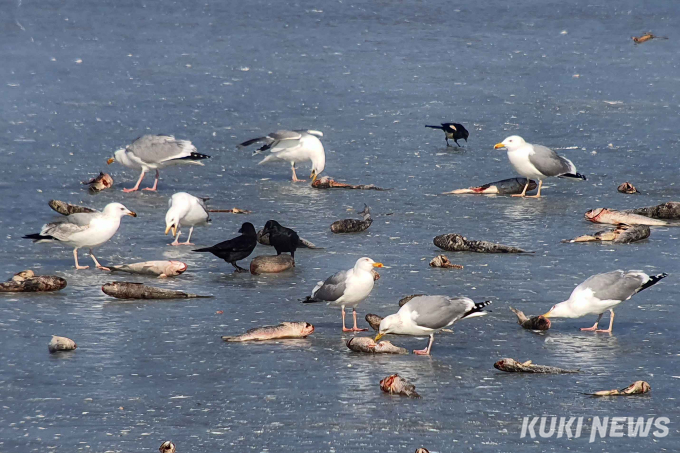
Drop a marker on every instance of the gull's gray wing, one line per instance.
(615, 285)
(333, 288)
(285, 135)
(437, 312)
(80, 219)
(549, 163)
(62, 231)
(160, 148)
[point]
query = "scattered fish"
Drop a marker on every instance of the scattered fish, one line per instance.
(513, 366)
(533, 323)
(167, 447)
(231, 211)
(457, 243)
(373, 321)
(64, 208)
(622, 234)
(376, 276)
(368, 345)
(353, 225)
(397, 385)
(61, 344)
(443, 261)
(636, 388)
(99, 183)
(646, 37)
(27, 282)
(668, 211)
(610, 216)
(160, 269)
(125, 290)
(510, 186)
(627, 187)
(271, 264)
(282, 331)
(327, 182)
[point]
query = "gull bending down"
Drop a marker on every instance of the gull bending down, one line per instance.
(84, 230)
(154, 152)
(185, 209)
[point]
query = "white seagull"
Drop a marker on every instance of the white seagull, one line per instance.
(185, 209)
(293, 147)
(84, 230)
(347, 288)
(154, 152)
(537, 162)
(603, 292)
(426, 315)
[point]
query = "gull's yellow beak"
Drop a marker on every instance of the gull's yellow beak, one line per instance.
(377, 264)
(547, 315)
(313, 176)
(132, 214)
(498, 145)
(110, 161)
(378, 337)
(171, 227)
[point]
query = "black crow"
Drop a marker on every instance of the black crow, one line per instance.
(453, 131)
(237, 248)
(283, 239)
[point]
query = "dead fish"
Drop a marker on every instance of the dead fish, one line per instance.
(510, 186)
(397, 385)
(376, 276)
(457, 243)
(99, 183)
(61, 344)
(27, 282)
(161, 269)
(636, 388)
(366, 344)
(64, 208)
(283, 330)
(669, 211)
(443, 261)
(327, 182)
(403, 300)
(646, 37)
(125, 290)
(422, 450)
(534, 323)
(622, 234)
(627, 187)
(167, 447)
(271, 264)
(373, 321)
(353, 225)
(513, 366)
(610, 216)
(231, 211)
(263, 239)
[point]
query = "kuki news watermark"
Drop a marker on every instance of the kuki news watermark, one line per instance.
(547, 427)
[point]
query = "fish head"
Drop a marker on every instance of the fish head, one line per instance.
(176, 268)
(307, 329)
(167, 447)
(593, 214)
(543, 323)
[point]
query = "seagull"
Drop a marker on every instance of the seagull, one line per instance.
(348, 287)
(453, 131)
(537, 162)
(84, 230)
(185, 209)
(237, 248)
(425, 315)
(293, 146)
(603, 292)
(283, 239)
(154, 152)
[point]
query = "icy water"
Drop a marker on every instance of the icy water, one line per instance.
(82, 79)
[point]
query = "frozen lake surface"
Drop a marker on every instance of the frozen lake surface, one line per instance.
(82, 79)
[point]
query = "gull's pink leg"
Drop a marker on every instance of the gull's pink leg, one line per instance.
(139, 181)
(538, 195)
(295, 178)
(99, 266)
(188, 242)
(155, 183)
(425, 351)
(78, 266)
(611, 323)
(344, 329)
(176, 241)
(524, 192)
(594, 328)
(355, 328)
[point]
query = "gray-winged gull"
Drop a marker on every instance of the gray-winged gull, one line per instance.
(84, 230)
(537, 162)
(185, 209)
(426, 315)
(600, 293)
(347, 288)
(293, 147)
(154, 152)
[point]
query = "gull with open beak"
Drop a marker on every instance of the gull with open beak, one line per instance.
(537, 162)
(347, 288)
(600, 293)
(185, 209)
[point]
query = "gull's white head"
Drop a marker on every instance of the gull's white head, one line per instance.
(561, 310)
(366, 264)
(511, 143)
(172, 221)
(316, 153)
(388, 325)
(117, 210)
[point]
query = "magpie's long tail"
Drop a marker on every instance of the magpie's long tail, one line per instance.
(478, 310)
(435, 127)
(653, 280)
(206, 249)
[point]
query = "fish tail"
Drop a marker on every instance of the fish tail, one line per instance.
(653, 280)
(231, 339)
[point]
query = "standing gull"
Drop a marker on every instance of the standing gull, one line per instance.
(537, 162)
(347, 288)
(84, 230)
(293, 147)
(154, 152)
(600, 293)
(426, 315)
(185, 209)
